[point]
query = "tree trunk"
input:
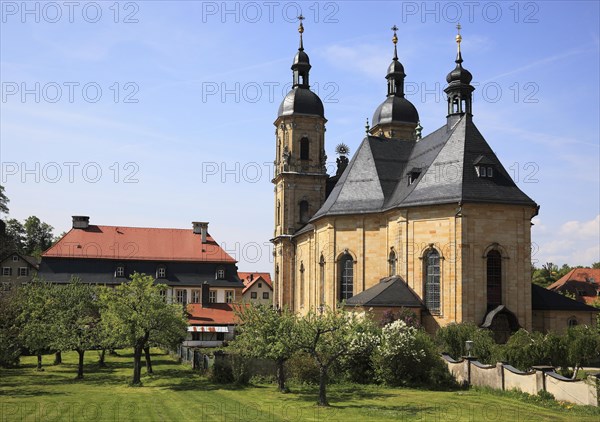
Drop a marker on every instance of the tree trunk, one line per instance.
(148, 360)
(281, 376)
(101, 362)
(39, 363)
(137, 365)
(323, 386)
(80, 364)
(58, 358)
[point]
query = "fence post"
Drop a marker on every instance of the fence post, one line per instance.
(467, 360)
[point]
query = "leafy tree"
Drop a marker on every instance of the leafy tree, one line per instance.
(582, 345)
(453, 337)
(546, 275)
(36, 317)
(524, 349)
(137, 314)
(16, 237)
(328, 335)
(77, 319)
(3, 201)
(596, 265)
(268, 333)
(38, 236)
(10, 345)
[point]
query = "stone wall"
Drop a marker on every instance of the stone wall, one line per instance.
(505, 377)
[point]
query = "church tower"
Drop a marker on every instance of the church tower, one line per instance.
(396, 117)
(300, 174)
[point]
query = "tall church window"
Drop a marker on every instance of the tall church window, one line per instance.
(301, 284)
(432, 281)
(304, 148)
(304, 212)
(494, 279)
(392, 260)
(346, 276)
(322, 281)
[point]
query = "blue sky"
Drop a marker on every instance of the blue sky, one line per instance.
(158, 114)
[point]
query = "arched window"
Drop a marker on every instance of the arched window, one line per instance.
(302, 284)
(322, 281)
(432, 280)
(346, 276)
(572, 322)
(304, 148)
(220, 275)
(392, 263)
(304, 212)
(494, 279)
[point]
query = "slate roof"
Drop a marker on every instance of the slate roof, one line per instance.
(137, 243)
(31, 260)
(376, 178)
(544, 299)
(390, 291)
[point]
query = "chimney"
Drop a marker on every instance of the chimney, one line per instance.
(201, 228)
(81, 222)
(205, 290)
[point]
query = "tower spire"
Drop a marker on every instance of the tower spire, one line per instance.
(395, 41)
(301, 31)
(459, 89)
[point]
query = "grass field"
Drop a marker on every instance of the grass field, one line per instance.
(176, 393)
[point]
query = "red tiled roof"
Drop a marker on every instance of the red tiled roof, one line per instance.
(248, 282)
(577, 274)
(583, 282)
(213, 314)
(137, 243)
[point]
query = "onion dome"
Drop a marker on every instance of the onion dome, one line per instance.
(459, 89)
(395, 108)
(301, 100)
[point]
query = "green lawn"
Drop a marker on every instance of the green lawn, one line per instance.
(176, 393)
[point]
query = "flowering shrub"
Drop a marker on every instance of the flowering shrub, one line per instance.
(407, 355)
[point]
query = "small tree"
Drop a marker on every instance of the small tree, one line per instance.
(36, 317)
(452, 340)
(77, 319)
(268, 333)
(137, 314)
(10, 345)
(582, 344)
(327, 335)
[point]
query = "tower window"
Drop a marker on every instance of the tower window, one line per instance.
(304, 217)
(346, 277)
(494, 279)
(432, 281)
(304, 149)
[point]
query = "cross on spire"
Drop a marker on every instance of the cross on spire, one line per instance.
(395, 41)
(458, 36)
(301, 30)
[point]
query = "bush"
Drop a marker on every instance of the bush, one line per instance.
(230, 368)
(407, 356)
(524, 350)
(452, 338)
(302, 368)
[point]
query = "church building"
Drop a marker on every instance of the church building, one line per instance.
(433, 223)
